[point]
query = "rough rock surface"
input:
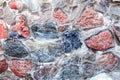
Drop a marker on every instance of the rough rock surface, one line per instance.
(102, 41)
(59, 40)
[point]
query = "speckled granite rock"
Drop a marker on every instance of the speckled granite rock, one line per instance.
(59, 40)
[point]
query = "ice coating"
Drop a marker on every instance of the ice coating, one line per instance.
(102, 76)
(116, 0)
(58, 57)
(90, 18)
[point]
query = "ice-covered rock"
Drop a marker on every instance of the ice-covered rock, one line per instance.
(101, 76)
